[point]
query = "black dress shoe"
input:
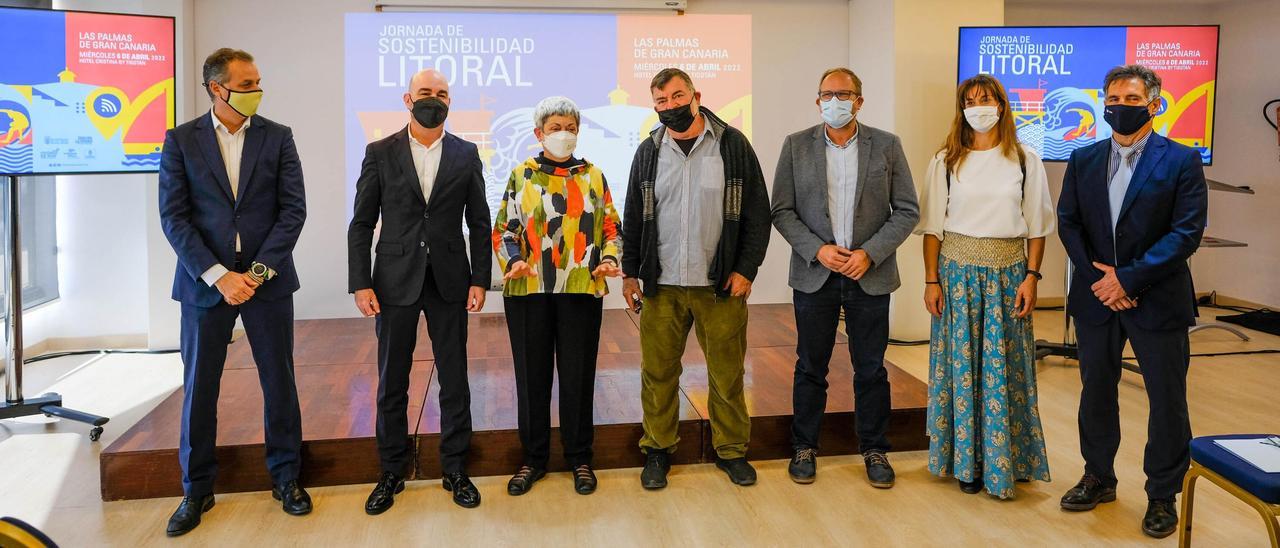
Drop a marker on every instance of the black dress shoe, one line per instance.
(971, 487)
(584, 479)
(384, 493)
(295, 499)
(187, 516)
(739, 470)
(1087, 494)
(524, 479)
(1161, 519)
(804, 465)
(465, 493)
(657, 463)
(879, 471)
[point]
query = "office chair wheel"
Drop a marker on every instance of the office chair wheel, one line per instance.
(95, 434)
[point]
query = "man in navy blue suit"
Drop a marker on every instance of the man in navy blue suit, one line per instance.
(1132, 212)
(421, 183)
(232, 207)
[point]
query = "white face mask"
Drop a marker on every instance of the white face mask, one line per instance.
(837, 113)
(560, 144)
(982, 118)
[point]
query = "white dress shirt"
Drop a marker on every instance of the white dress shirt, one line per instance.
(232, 147)
(988, 197)
(842, 187)
(426, 160)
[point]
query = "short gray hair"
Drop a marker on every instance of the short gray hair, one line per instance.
(555, 106)
(1149, 78)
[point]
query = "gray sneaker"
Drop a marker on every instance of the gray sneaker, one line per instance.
(804, 465)
(879, 472)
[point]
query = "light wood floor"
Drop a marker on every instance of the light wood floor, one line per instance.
(48, 476)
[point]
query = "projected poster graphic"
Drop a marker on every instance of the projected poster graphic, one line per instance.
(84, 92)
(1054, 79)
(500, 65)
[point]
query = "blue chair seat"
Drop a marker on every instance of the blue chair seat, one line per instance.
(1226, 464)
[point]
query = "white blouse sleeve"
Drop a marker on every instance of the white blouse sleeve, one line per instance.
(1037, 203)
(933, 199)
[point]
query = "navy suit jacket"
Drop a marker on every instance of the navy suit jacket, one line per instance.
(416, 230)
(201, 218)
(1161, 222)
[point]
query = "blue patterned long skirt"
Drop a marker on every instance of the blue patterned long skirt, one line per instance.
(982, 378)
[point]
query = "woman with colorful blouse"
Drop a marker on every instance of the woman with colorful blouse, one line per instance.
(985, 210)
(557, 238)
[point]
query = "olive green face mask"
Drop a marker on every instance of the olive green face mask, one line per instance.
(244, 102)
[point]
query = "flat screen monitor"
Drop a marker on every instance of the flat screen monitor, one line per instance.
(1054, 76)
(84, 92)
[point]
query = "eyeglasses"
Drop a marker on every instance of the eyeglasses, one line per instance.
(844, 95)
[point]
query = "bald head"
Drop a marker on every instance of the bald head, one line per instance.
(429, 80)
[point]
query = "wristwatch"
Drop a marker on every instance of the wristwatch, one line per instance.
(1035, 273)
(261, 272)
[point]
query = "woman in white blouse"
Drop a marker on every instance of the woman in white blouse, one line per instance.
(985, 210)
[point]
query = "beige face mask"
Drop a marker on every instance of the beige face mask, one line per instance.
(244, 102)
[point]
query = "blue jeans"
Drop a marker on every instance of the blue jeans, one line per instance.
(867, 324)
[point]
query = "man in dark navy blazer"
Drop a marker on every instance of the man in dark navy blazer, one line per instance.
(232, 206)
(1132, 212)
(423, 182)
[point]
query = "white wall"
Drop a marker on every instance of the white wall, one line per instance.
(1246, 153)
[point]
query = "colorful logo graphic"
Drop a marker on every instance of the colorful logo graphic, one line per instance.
(1054, 77)
(85, 92)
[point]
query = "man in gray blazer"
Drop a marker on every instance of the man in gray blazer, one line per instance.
(843, 198)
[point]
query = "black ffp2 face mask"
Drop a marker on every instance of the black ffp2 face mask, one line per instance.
(430, 112)
(677, 118)
(1126, 119)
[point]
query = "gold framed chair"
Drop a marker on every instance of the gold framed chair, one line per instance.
(1234, 475)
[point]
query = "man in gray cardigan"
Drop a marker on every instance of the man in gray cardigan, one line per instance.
(843, 198)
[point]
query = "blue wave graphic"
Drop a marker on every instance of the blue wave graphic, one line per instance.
(17, 159)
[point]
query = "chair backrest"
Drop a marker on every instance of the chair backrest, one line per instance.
(15, 533)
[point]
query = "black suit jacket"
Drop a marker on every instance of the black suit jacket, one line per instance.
(415, 228)
(201, 219)
(1161, 222)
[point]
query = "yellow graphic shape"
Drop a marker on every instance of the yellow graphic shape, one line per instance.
(738, 107)
(1173, 113)
(25, 91)
(19, 127)
(129, 111)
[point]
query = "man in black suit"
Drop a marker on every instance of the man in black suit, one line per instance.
(232, 206)
(422, 181)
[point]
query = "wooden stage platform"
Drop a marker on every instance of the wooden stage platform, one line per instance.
(336, 369)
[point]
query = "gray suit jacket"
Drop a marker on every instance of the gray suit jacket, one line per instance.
(885, 206)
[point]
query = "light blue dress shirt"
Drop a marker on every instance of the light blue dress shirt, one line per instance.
(690, 201)
(842, 187)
